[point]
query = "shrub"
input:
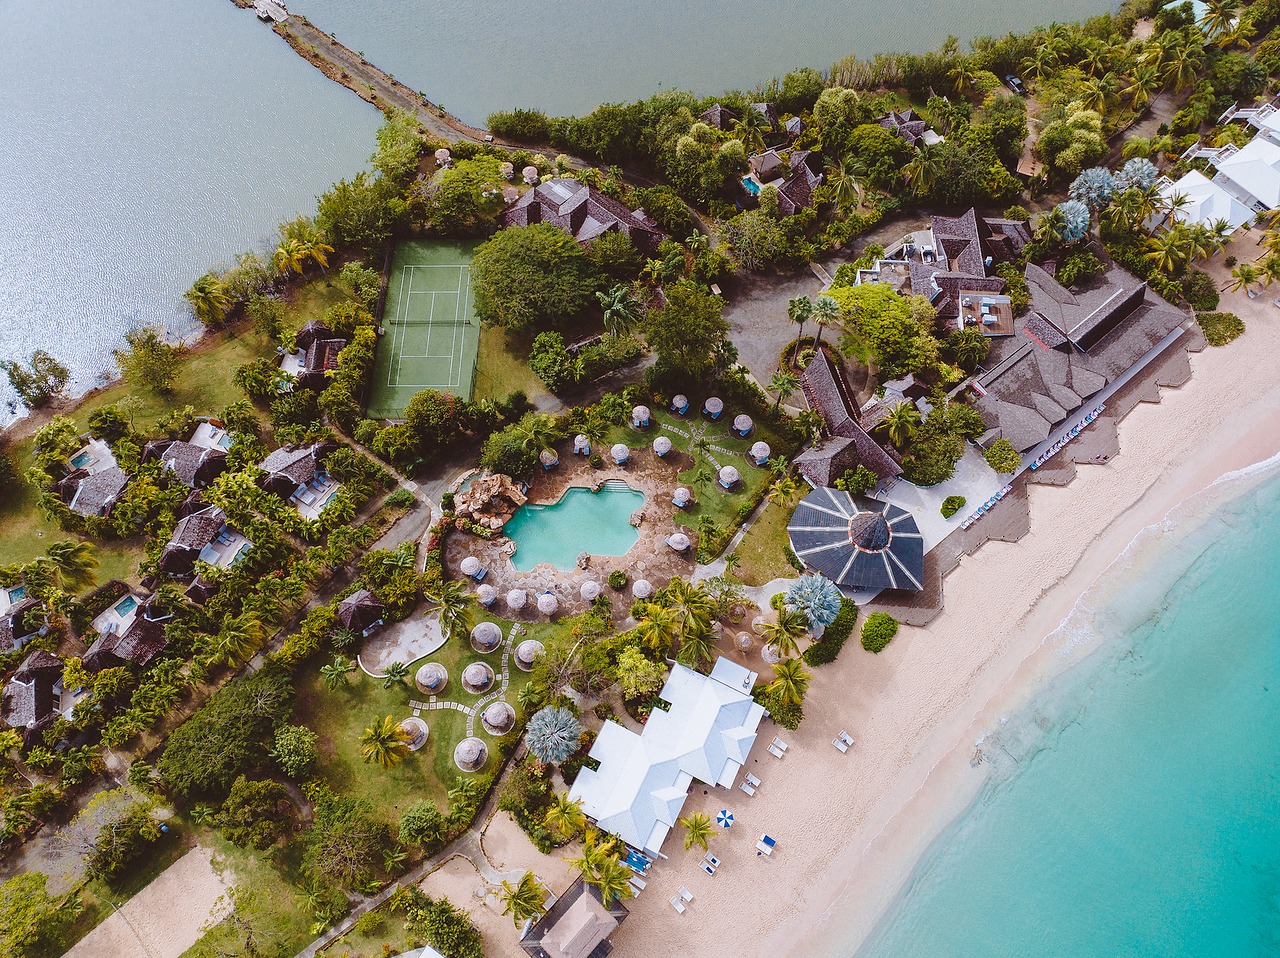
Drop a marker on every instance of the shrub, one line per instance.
(401, 499)
(833, 639)
(951, 505)
(1002, 457)
(525, 126)
(1220, 328)
(1079, 267)
(617, 579)
(1200, 291)
(787, 714)
(878, 631)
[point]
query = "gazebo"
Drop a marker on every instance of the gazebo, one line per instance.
(681, 498)
(581, 445)
(471, 754)
(486, 637)
(432, 678)
(498, 718)
(620, 453)
(729, 477)
(713, 407)
(548, 603)
(662, 446)
(680, 404)
(760, 452)
(642, 588)
(641, 417)
(516, 599)
(527, 653)
(743, 642)
(742, 425)
(477, 678)
(858, 543)
(590, 590)
(678, 541)
(506, 170)
(415, 732)
(442, 157)
(486, 595)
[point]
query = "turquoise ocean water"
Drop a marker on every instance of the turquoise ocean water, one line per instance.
(1134, 808)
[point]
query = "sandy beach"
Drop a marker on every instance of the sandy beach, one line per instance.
(851, 827)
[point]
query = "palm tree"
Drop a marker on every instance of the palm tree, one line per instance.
(290, 256)
(336, 672)
(1042, 62)
(697, 830)
(343, 638)
(785, 634)
(784, 383)
(453, 602)
(394, 675)
(962, 75)
(565, 816)
(697, 646)
(751, 128)
(790, 681)
(614, 881)
(553, 735)
(384, 742)
(400, 558)
(1143, 87)
(731, 563)
(74, 563)
(209, 300)
(536, 432)
(657, 629)
(1244, 276)
(799, 310)
(826, 312)
(1168, 250)
(317, 250)
(621, 311)
(594, 855)
(923, 170)
(842, 177)
(523, 900)
(1099, 92)
(1218, 17)
(1182, 63)
(900, 424)
(692, 605)
(783, 490)
(238, 639)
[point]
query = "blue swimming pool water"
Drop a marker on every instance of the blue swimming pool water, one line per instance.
(82, 460)
(17, 594)
(752, 186)
(126, 605)
(582, 521)
(224, 441)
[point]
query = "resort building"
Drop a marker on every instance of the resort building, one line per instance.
(194, 466)
(584, 213)
(203, 536)
(15, 632)
(719, 117)
(1203, 202)
(297, 475)
(847, 444)
(578, 925)
(858, 543)
(642, 780)
(93, 482)
(317, 353)
(33, 697)
(361, 612)
(908, 125)
(1068, 347)
(131, 631)
(801, 169)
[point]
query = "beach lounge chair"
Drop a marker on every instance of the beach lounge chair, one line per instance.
(685, 894)
(715, 862)
(775, 751)
(771, 842)
(677, 904)
(747, 788)
(753, 780)
(709, 869)
(846, 737)
(780, 743)
(637, 883)
(840, 745)
(763, 849)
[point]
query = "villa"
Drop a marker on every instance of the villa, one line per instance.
(907, 125)
(578, 925)
(130, 631)
(317, 353)
(584, 213)
(642, 780)
(93, 482)
(847, 444)
(14, 630)
(1069, 347)
(296, 474)
(194, 466)
(32, 698)
(361, 612)
(203, 536)
(719, 117)
(211, 434)
(803, 177)
(1203, 201)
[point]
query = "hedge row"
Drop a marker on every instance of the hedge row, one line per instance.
(828, 647)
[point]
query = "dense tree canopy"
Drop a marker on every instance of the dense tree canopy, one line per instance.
(689, 334)
(897, 330)
(530, 278)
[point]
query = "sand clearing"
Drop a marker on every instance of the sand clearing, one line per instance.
(165, 918)
(851, 826)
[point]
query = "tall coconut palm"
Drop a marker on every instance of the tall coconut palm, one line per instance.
(783, 490)
(799, 310)
(452, 600)
(336, 672)
(1218, 17)
(697, 830)
(1243, 277)
(790, 681)
(385, 743)
(657, 627)
(394, 675)
(751, 128)
(900, 424)
(238, 639)
(209, 300)
(1182, 63)
(1168, 250)
(524, 899)
(692, 604)
(697, 646)
(1270, 270)
(1043, 61)
(784, 384)
(565, 816)
(290, 256)
(596, 851)
(842, 177)
(1142, 87)
(962, 74)
(75, 564)
(614, 881)
(317, 251)
(621, 311)
(1099, 92)
(826, 312)
(785, 634)
(924, 169)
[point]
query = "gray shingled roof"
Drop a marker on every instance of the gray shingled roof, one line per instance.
(96, 494)
(29, 703)
(858, 543)
(141, 642)
(360, 610)
(719, 116)
(12, 629)
(582, 212)
(193, 465)
(825, 391)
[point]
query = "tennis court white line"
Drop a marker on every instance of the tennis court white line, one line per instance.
(399, 336)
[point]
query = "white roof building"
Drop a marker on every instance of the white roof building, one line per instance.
(1254, 169)
(1206, 201)
(643, 780)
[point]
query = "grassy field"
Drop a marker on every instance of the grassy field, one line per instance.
(763, 548)
(503, 367)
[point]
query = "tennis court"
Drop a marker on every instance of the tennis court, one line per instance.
(432, 333)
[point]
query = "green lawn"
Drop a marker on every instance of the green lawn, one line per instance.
(763, 548)
(504, 367)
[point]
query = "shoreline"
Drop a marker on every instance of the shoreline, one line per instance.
(853, 828)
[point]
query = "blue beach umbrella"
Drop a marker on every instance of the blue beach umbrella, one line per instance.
(724, 818)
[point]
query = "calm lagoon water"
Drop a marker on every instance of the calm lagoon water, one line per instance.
(1135, 808)
(582, 521)
(569, 56)
(144, 142)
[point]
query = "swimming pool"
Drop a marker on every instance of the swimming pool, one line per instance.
(82, 460)
(582, 521)
(17, 594)
(126, 605)
(751, 186)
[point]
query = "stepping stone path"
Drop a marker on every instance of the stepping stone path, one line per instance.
(695, 432)
(473, 711)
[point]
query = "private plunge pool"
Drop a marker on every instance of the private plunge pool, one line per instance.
(582, 521)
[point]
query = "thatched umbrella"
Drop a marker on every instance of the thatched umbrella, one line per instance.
(470, 565)
(729, 476)
(743, 642)
(640, 416)
(510, 194)
(442, 157)
(620, 453)
(530, 174)
(498, 718)
(760, 453)
(486, 637)
(590, 590)
(662, 445)
(486, 594)
(642, 588)
(758, 624)
(471, 754)
(477, 678)
(682, 496)
(416, 732)
(678, 541)
(548, 458)
(742, 424)
(432, 678)
(527, 652)
(548, 603)
(713, 407)
(770, 654)
(581, 444)
(680, 403)
(506, 170)
(516, 599)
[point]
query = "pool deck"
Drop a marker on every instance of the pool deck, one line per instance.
(650, 558)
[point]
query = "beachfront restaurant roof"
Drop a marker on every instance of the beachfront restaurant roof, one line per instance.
(640, 786)
(858, 543)
(1255, 168)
